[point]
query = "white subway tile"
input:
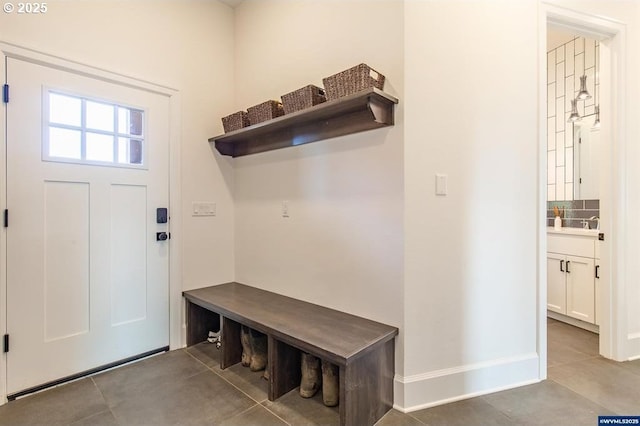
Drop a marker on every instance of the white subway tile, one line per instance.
(560, 183)
(579, 45)
(560, 124)
(551, 167)
(568, 165)
(560, 149)
(551, 133)
(560, 54)
(568, 191)
(569, 59)
(568, 135)
(551, 66)
(589, 53)
(579, 70)
(559, 79)
(569, 93)
(551, 100)
(551, 192)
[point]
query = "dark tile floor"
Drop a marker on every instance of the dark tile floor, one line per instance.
(187, 387)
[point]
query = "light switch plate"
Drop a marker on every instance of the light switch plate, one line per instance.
(203, 209)
(441, 184)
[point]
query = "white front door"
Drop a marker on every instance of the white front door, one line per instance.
(87, 166)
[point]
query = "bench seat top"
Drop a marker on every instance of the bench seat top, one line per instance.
(337, 336)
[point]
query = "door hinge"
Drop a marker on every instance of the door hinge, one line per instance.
(6, 343)
(6, 218)
(5, 93)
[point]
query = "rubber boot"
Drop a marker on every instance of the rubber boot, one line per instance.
(330, 384)
(246, 345)
(310, 369)
(258, 350)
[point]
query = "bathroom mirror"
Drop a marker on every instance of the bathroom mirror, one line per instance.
(586, 159)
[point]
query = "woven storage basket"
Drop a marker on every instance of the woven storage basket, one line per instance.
(303, 98)
(235, 121)
(353, 80)
(264, 111)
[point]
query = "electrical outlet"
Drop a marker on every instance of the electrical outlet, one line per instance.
(441, 184)
(285, 208)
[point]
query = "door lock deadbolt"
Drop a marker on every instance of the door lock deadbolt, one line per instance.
(162, 236)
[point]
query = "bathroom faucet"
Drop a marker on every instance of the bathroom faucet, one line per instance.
(596, 218)
(585, 224)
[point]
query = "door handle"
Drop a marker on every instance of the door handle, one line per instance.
(598, 271)
(568, 262)
(561, 264)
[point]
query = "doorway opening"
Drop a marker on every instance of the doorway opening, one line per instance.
(579, 281)
(573, 194)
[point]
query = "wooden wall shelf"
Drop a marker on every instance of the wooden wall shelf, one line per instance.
(365, 110)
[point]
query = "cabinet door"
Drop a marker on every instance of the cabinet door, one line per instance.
(581, 288)
(556, 287)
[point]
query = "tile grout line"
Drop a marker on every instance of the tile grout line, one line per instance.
(258, 403)
(105, 400)
(223, 378)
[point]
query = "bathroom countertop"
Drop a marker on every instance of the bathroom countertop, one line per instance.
(574, 231)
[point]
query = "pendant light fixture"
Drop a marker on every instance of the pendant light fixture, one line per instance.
(596, 123)
(574, 112)
(583, 94)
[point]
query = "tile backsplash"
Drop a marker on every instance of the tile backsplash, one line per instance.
(574, 212)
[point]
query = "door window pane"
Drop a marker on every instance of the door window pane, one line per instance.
(65, 143)
(129, 121)
(100, 147)
(65, 110)
(90, 131)
(100, 116)
(129, 151)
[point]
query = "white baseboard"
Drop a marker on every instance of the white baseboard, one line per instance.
(453, 384)
(573, 321)
(633, 346)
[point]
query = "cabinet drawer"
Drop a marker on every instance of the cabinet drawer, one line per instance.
(571, 244)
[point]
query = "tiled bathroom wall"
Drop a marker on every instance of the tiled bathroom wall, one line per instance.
(575, 212)
(565, 65)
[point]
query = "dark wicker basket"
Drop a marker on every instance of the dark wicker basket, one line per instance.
(351, 81)
(264, 111)
(303, 98)
(235, 121)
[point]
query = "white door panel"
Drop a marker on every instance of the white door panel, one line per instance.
(87, 282)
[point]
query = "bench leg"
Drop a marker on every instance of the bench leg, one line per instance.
(284, 368)
(231, 346)
(366, 387)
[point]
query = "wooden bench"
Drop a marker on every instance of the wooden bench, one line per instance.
(363, 349)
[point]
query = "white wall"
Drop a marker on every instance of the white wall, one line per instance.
(470, 275)
(186, 45)
(342, 245)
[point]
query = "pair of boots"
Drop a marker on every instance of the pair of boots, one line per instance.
(311, 379)
(254, 350)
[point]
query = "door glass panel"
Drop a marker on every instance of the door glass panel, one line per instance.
(99, 147)
(129, 151)
(65, 143)
(100, 116)
(65, 110)
(88, 131)
(129, 121)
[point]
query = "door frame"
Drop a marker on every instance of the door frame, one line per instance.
(612, 285)
(175, 201)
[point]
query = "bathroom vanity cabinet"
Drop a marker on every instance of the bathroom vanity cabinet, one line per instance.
(572, 274)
